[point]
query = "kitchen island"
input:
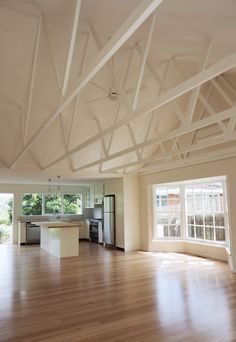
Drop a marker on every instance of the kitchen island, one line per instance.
(59, 238)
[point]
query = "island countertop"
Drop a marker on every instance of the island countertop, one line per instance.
(56, 224)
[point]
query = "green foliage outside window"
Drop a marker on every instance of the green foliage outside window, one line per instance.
(32, 204)
(72, 204)
(52, 204)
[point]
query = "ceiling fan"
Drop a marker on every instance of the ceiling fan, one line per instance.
(111, 94)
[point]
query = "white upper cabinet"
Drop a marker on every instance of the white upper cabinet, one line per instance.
(98, 193)
(93, 195)
(89, 196)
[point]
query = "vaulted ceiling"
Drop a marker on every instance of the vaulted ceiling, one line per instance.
(106, 88)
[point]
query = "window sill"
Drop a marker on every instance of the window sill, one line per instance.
(202, 243)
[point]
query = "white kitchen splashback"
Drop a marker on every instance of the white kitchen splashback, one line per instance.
(97, 212)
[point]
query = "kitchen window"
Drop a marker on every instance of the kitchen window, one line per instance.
(51, 204)
(31, 204)
(191, 211)
(72, 204)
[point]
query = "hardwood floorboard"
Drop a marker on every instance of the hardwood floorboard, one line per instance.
(112, 296)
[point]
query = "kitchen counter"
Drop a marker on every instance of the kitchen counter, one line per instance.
(59, 242)
(56, 224)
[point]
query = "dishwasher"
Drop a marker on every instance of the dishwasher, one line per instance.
(32, 234)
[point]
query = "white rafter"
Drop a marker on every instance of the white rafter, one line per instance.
(31, 87)
(202, 77)
(205, 157)
(194, 95)
(194, 134)
(222, 92)
(167, 155)
(166, 136)
(176, 107)
(131, 24)
(143, 63)
(133, 141)
(201, 98)
(72, 46)
(104, 147)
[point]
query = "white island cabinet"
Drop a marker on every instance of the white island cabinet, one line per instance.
(60, 239)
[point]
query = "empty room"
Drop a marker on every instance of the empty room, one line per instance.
(117, 170)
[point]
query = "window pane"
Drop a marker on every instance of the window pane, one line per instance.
(52, 204)
(174, 230)
(191, 219)
(208, 220)
(209, 231)
(32, 204)
(168, 212)
(199, 232)
(219, 220)
(162, 219)
(72, 204)
(220, 234)
(199, 219)
(198, 201)
(191, 233)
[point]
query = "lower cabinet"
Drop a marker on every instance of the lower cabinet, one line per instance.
(86, 230)
(21, 233)
(100, 233)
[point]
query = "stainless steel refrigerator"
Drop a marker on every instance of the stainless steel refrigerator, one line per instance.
(109, 230)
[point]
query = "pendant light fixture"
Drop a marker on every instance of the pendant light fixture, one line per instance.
(58, 183)
(49, 185)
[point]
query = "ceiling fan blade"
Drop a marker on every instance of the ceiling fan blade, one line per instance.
(99, 86)
(97, 99)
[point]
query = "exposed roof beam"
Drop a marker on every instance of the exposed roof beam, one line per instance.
(206, 157)
(166, 136)
(227, 84)
(174, 104)
(203, 101)
(133, 140)
(131, 24)
(214, 141)
(115, 121)
(143, 63)
(201, 114)
(64, 142)
(222, 93)
(153, 113)
(202, 77)
(104, 147)
(31, 87)
(71, 47)
(194, 95)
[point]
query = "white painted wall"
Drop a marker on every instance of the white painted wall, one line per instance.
(226, 168)
(19, 189)
(131, 214)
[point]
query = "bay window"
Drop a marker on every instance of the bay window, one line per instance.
(191, 211)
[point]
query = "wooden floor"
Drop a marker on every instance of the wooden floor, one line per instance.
(107, 295)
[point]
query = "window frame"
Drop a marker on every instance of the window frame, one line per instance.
(43, 203)
(183, 212)
(155, 235)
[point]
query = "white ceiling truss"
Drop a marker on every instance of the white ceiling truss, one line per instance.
(94, 103)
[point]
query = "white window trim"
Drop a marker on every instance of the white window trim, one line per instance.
(183, 217)
(62, 202)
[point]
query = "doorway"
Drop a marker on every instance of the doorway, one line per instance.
(6, 216)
